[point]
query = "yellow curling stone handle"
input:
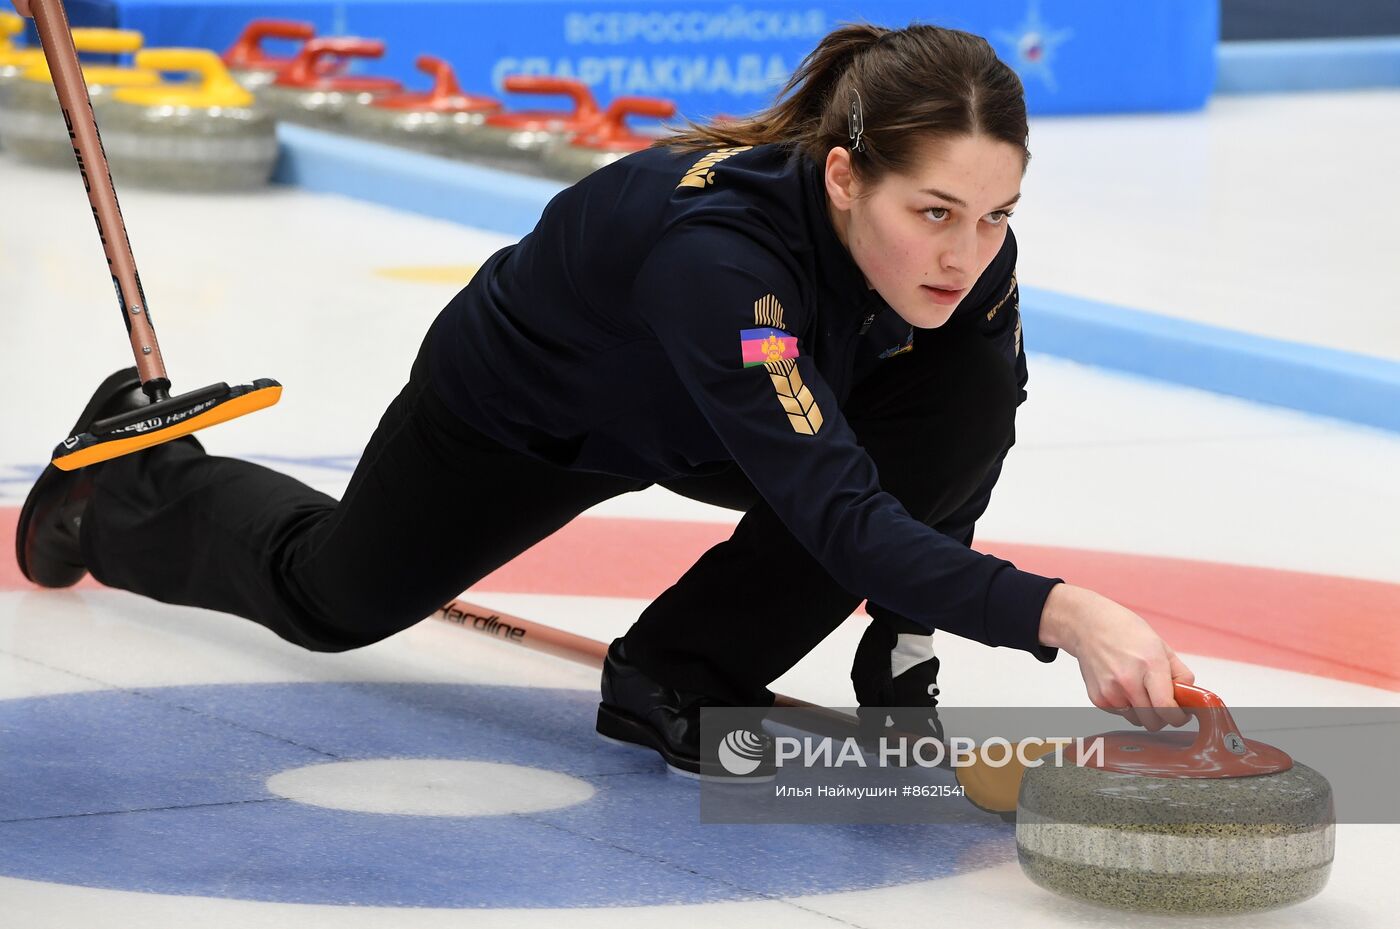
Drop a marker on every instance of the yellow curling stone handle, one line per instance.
(90, 41)
(107, 41)
(101, 42)
(212, 85)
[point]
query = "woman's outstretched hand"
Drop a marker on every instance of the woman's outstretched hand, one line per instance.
(1127, 668)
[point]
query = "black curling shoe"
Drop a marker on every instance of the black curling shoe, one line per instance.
(46, 538)
(640, 711)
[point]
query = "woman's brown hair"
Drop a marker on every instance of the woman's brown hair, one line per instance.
(909, 85)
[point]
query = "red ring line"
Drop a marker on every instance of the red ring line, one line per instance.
(1334, 627)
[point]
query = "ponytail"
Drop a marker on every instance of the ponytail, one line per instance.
(798, 112)
(910, 86)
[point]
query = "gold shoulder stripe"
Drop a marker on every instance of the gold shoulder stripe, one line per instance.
(991, 314)
(797, 400)
(700, 173)
(767, 311)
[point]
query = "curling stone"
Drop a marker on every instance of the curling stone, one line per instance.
(511, 140)
(202, 133)
(609, 140)
(304, 92)
(31, 121)
(425, 121)
(247, 61)
(1178, 822)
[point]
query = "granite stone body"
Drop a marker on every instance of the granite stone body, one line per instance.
(178, 147)
(1186, 845)
(439, 133)
(322, 109)
(526, 144)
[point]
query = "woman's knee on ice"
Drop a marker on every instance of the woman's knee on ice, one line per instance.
(347, 624)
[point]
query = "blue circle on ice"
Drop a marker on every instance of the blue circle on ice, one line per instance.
(165, 791)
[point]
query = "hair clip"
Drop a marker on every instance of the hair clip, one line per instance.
(857, 123)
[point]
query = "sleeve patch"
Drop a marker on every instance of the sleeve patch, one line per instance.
(767, 311)
(761, 346)
(797, 401)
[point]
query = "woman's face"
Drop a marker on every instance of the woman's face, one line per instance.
(922, 239)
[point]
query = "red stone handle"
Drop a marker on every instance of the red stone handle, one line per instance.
(1218, 750)
(444, 80)
(1216, 724)
(308, 65)
(246, 52)
(584, 104)
(446, 95)
(445, 86)
(1189, 695)
(611, 128)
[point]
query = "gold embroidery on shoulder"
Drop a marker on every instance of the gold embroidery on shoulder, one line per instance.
(797, 400)
(991, 314)
(767, 311)
(700, 174)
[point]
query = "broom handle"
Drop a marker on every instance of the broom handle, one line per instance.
(541, 638)
(51, 21)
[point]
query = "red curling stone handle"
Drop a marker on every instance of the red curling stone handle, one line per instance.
(1218, 749)
(247, 52)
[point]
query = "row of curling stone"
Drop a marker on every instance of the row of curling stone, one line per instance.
(31, 123)
(435, 121)
(567, 144)
(313, 88)
(207, 135)
(443, 120)
(201, 132)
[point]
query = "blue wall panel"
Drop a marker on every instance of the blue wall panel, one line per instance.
(712, 56)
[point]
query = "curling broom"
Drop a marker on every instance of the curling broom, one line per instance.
(165, 417)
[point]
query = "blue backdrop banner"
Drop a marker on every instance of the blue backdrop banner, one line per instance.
(721, 56)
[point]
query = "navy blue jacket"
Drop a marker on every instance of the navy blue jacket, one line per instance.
(608, 340)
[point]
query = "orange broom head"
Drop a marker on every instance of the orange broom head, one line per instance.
(163, 421)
